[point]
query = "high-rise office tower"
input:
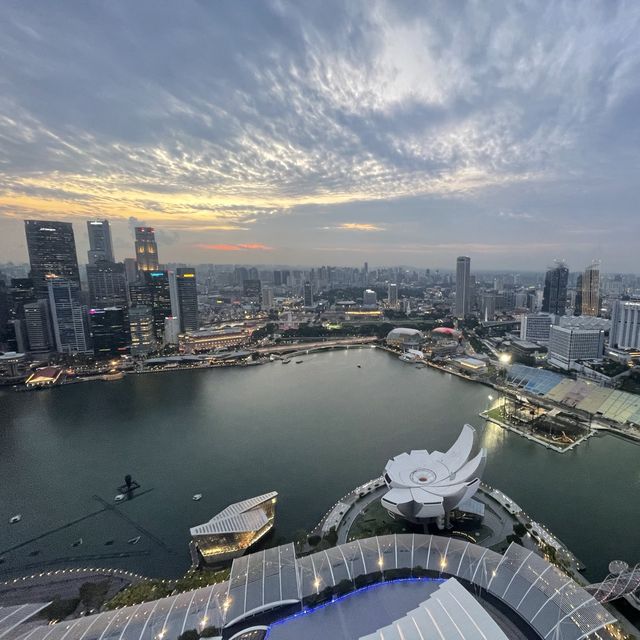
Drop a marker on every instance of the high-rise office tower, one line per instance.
(577, 303)
(141, 324)
(554, 296)
(130, 270)
(267, 298)
(392, 295)
(625, 324)
(68, 316)
(187, 294)
(100, 246)
(36, 317)
(369, 298)
(463, 286)
(146, 249)
(251, 288)
(107, 284)
(21, 292)
(52, 252)
(159, 294)
(109, 331)
(308, 295)
(591, 290)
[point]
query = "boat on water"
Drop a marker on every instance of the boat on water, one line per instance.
(359, 366)
(77, 543)
(197, 496)
(286, 361)
(134, 540)
(15, 519)
(299, 361)
(120, 497)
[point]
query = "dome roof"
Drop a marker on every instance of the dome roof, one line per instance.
(447, 331)
(404, 331)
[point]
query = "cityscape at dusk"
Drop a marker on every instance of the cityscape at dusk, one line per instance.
(319, 320)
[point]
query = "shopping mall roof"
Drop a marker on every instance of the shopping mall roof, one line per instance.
(247, 515)
(534, 593)
(14, 616)
(449, 612)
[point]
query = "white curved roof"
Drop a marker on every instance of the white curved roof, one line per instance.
(425, 485)
(403, 331)
(239, 516)
(449, 612)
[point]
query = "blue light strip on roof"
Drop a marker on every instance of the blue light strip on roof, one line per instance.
(369, 587)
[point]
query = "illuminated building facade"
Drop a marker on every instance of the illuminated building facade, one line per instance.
(109, 331)
(231, 532)
(143, 340)
(208, 340)
(591, 290)
(52, 252)
(146, 249)
(70, 328)
(187, 294)
(159, 298)
(107, 284)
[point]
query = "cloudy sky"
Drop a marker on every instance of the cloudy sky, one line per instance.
(327, 132)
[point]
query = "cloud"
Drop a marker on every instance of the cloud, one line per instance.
(356, 226)
(261, 112)
(513, 215)
(250, 246)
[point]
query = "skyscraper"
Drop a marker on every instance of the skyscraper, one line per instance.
(591, 290)
(158, 291)
(68, 316)
(267, 298)
(146, 249)
(142, 330)
(554, 296)
(187, 294)
(109, 331)
(107, 284)
(463, 286)
(52, 252)
(100, 246)
(36, 316)
(625, 324)
(392, 295)
(369, 298)
(308, 295)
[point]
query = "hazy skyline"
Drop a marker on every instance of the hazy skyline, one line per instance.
(327, 133)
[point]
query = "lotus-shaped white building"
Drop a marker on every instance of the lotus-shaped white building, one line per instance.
(425, 486)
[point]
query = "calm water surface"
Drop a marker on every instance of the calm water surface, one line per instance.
(311, 431)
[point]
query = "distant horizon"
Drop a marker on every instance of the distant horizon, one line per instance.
(311, 133)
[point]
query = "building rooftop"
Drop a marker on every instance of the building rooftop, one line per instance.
(239, 516)
(536, 596)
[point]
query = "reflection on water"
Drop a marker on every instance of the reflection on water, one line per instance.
(311, 431)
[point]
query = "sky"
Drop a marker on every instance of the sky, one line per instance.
(327, 132)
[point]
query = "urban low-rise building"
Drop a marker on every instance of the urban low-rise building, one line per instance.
(211, 339)
(568, 345)
(232, 531)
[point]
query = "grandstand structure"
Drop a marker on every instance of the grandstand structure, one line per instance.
(596, 401)
(275, 587)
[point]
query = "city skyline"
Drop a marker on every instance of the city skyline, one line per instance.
(290, 134)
